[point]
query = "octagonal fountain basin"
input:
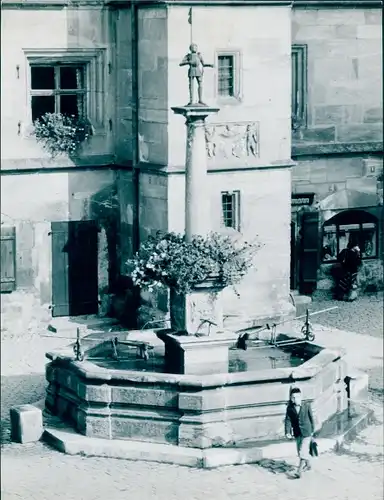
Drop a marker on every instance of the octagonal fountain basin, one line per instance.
(138, 400)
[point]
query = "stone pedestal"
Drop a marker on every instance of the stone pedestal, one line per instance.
(198, 312)
(191, 355)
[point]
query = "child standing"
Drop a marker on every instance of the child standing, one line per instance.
(299, 423)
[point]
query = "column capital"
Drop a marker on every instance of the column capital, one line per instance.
(195, 114)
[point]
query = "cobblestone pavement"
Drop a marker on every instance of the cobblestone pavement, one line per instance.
(364, 316)
(37, 472)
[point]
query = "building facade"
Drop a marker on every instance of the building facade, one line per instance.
(69, 224)
(337, 139)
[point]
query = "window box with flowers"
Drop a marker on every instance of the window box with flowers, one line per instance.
(62, 134)
(195, 272)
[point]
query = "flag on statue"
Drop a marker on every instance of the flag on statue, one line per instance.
(190, 16)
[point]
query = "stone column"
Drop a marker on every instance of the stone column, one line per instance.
(197, 209)
(206, 352)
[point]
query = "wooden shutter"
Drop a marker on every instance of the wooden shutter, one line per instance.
(8, 259)
(309, 261)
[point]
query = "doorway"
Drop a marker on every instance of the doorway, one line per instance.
(74, 268)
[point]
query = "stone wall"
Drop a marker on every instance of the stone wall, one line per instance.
(30, 202)
(122, 35)
(264, 218)
(263, 71)
(76, 32)
(328, 174)
(344, 76)
(153, 63)
(262, 50)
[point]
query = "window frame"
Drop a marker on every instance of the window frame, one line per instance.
(237, 70)
(299, 92)
(360, 231)
(57, 91)
(236, 209)
(95, 75)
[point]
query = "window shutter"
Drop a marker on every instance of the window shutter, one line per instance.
(8, 259)
(309, 261)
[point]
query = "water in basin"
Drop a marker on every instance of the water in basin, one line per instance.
(255, 358)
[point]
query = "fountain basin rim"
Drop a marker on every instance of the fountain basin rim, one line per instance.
(90, 371)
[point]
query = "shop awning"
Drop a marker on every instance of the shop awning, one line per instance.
(347, 199)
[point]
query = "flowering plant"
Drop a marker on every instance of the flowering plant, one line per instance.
(167, 259)
(61, 133)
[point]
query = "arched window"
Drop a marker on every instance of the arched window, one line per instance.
(352, 226)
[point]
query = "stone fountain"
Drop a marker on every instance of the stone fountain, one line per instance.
(196, 400)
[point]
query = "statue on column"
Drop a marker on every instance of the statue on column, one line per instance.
(196, 64)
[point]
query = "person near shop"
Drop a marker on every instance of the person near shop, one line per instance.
(350, 262)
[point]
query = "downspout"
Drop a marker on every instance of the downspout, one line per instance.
(135, 129)
(135, 147)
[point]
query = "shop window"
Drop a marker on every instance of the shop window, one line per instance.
(8, 259)
(299, 86)
(355, 227)
(230, 206)
(58, 89)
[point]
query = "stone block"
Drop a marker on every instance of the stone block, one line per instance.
(202, 401)
(328, 114)
(146, 397)
(143, 427)
(26, 424)
(360, 133)
(373, 16)
(345, 31)
(372, 31)
(319, 134)
(373, 115)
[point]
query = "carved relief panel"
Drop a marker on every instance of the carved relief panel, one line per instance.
(233, 142)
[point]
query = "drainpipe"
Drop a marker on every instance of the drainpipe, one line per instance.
(135, 149)
(135, 128)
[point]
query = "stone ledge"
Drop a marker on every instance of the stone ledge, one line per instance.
(67, 441)
(310, 149)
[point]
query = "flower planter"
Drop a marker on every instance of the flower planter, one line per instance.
(200, 311)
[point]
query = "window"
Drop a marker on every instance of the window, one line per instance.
(70, 81)
(357, 227)
(228, 75)
(230, 206)
(58, 88)
(299, 86)
(8, 259)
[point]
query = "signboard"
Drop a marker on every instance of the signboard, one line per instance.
(302, 199)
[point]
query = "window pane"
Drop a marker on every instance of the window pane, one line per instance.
(227, 201)
(350, 227)
(42, 78)
(226, 79)
(368, 244)
(71, 104)
(42, 105)
(330, 229)
(71, 77)
(329, 251)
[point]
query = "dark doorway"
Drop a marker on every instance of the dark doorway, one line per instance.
(293, 281)
(74, 268)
